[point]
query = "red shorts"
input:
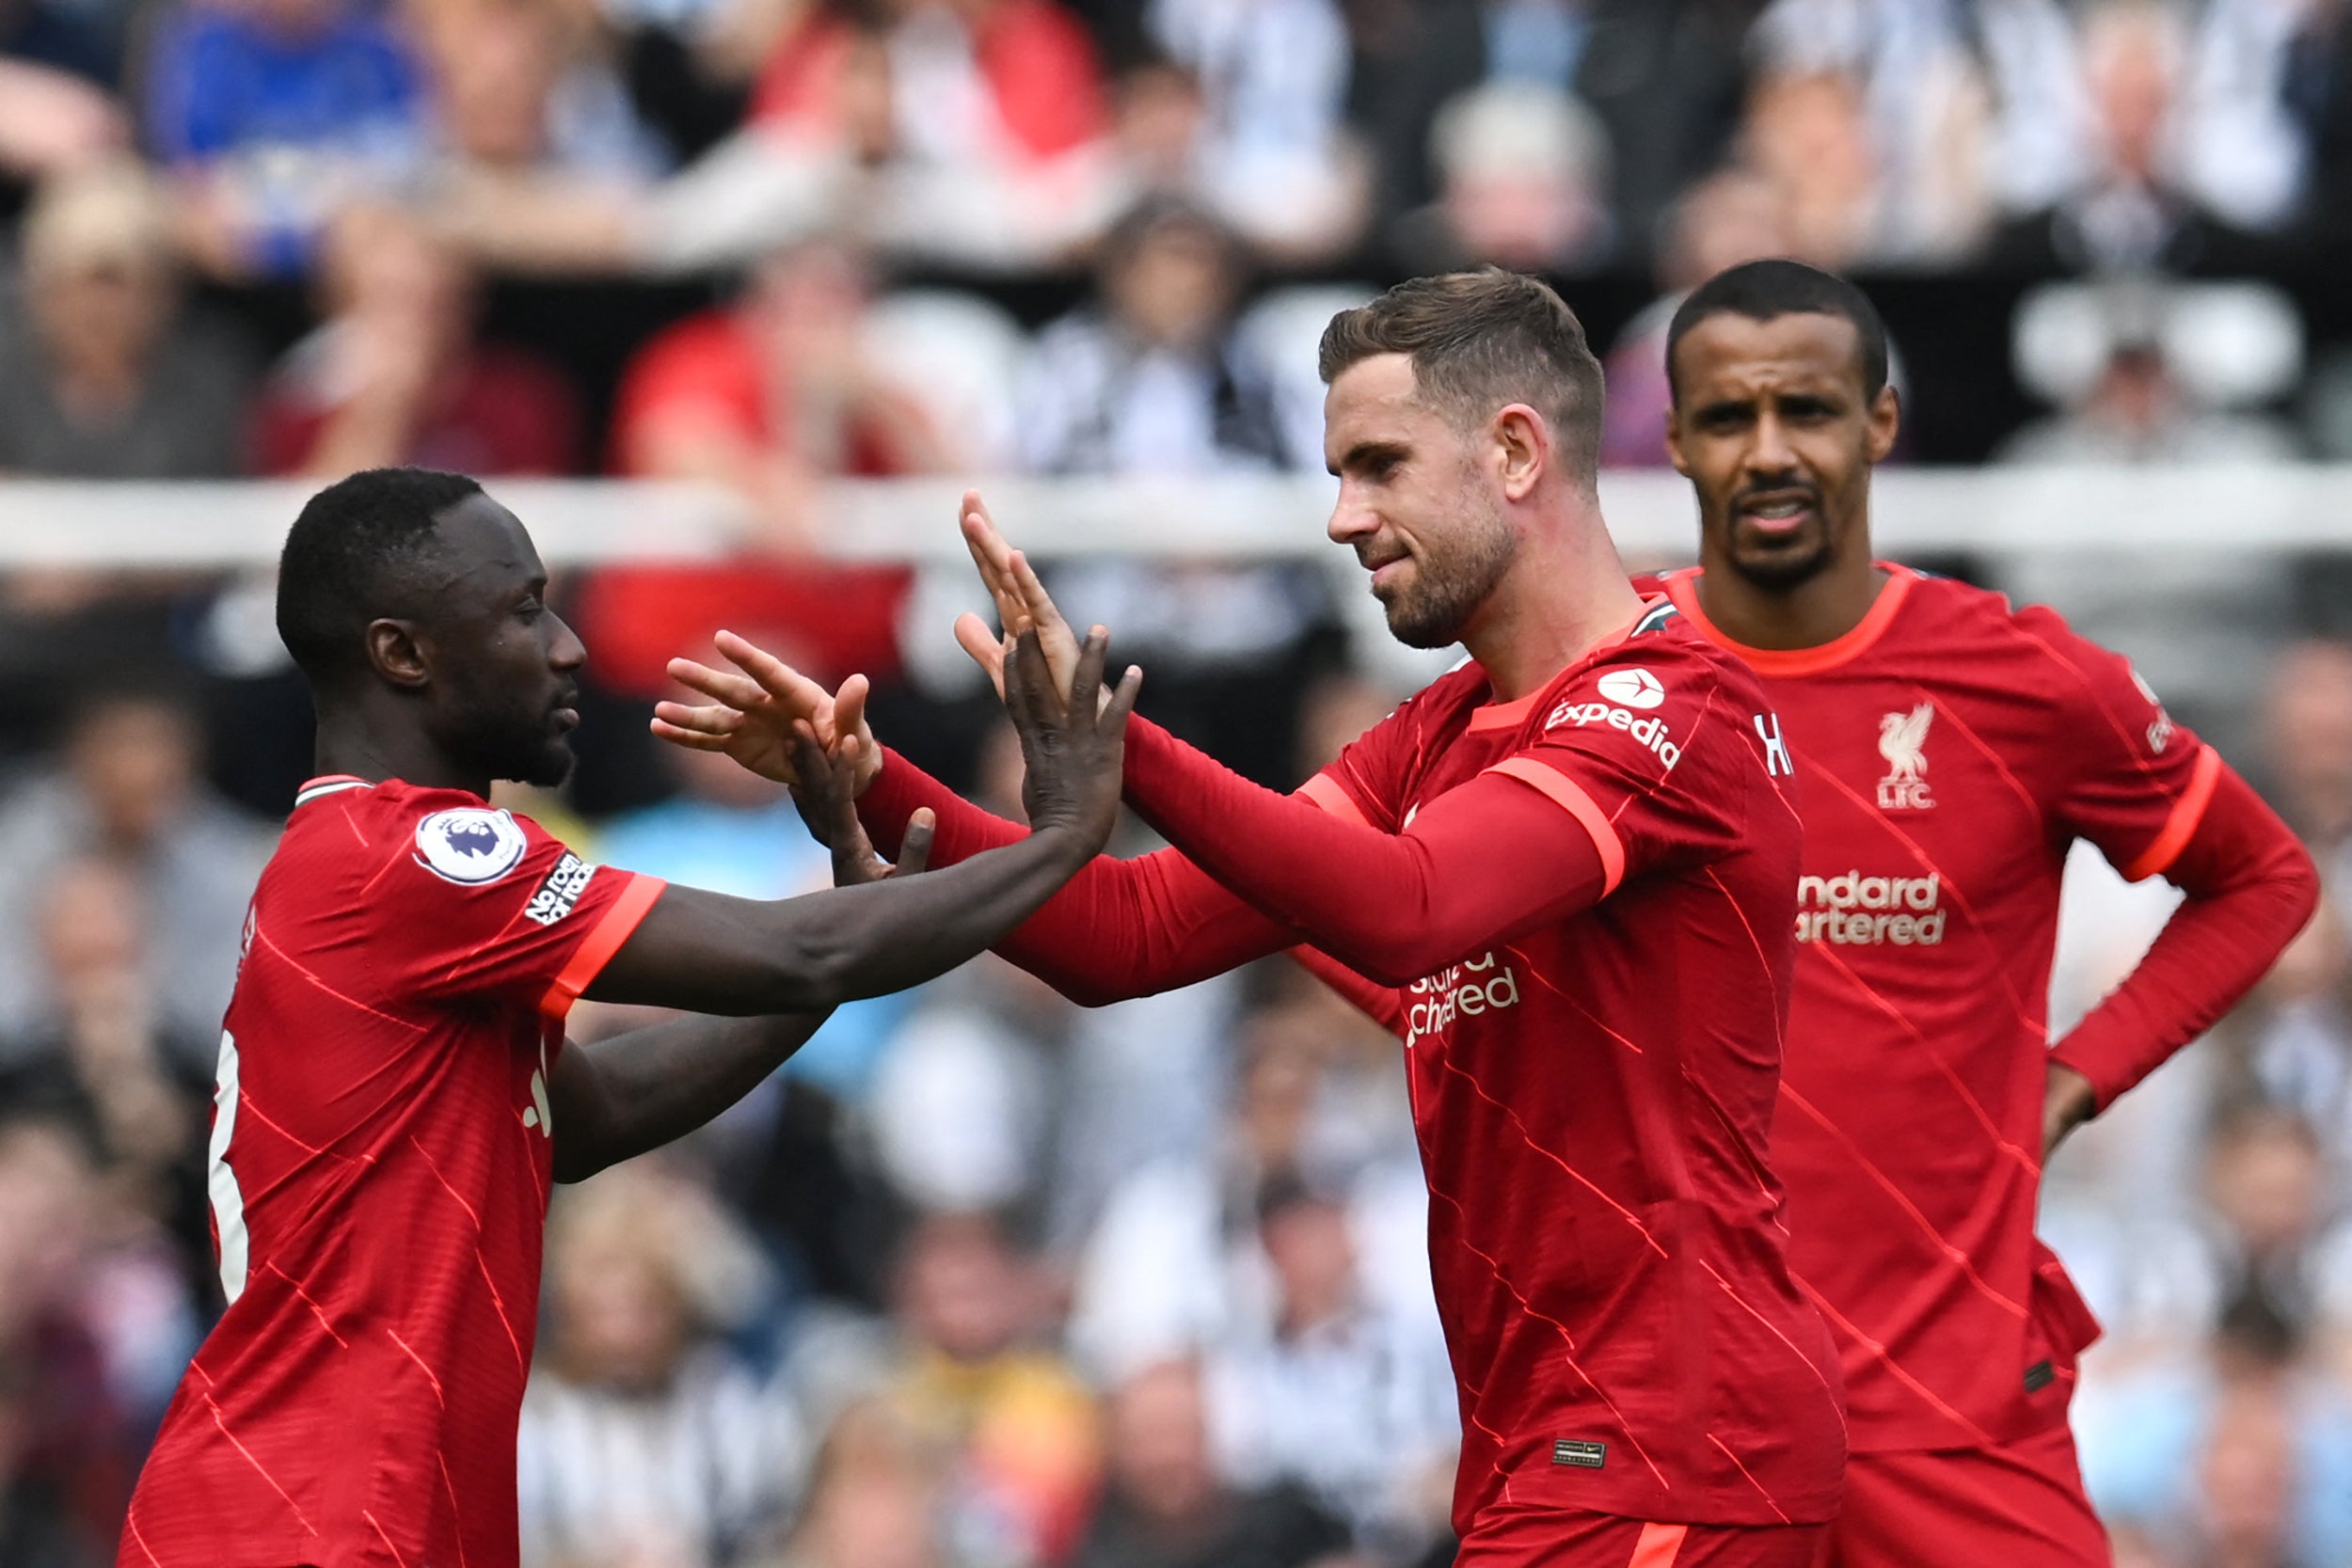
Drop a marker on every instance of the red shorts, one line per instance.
(1554, 1538)
(2018, 1506)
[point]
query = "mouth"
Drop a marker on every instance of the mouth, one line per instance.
(1385, 569)
(566, 713)
(1776, 512)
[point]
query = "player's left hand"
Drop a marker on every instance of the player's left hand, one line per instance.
(2067, 1101)
(827, 797)
(755, 706)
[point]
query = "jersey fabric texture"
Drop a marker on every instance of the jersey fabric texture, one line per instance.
(2021, 1505)
(1948, 750)
(1593, 1098)
(380, 1159)
(1511, 1538)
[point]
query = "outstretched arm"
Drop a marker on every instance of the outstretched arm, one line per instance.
(706, 953)
(621, 1097)
(1120, 928)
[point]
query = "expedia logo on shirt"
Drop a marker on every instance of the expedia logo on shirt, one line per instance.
(1649, 730)
(561, 890)
(1853, 910)
(1464, 991)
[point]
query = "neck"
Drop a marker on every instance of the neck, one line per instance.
(1566, 592)
(365, 745)
(1821, 609)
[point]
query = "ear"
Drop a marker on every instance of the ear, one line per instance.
(1674, 441)
(1887, 421)
(397, 654)
(1523, 446)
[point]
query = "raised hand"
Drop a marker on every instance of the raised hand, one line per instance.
(1073, 745)
(827, 798)
(753, 710)
(1022, 603)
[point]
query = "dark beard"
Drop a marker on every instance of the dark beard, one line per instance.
(506, 744)
(1780, 570)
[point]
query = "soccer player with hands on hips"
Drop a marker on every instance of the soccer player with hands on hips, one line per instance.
(395, 1092)
(1948, 749)
(1566, 872)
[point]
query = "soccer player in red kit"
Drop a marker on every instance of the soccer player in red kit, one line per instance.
(395, 1091)
(1574, 859)
(1948, 749)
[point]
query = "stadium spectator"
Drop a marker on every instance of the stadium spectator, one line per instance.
(272, 114)
(2307, 743)
(875, 1500)
(67, 1450)
(1522, 181)
(396, 375)
(1731, 217)
(642, 1439)
(1342, 1394)
(1272, 152)
(769, 397)
(1155, 376)
(523, 85)
(103, 374)
(1010, 1424)
(1146, 378)
(2238, 1457)
(1166, 1507)
(1970, 110)
(128, 787)
(2158, 187)
(102, 1054)
(1808, 133)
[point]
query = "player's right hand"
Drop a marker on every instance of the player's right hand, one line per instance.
(754, 707)
(1072, 746)
(827, 798)
(1022, 603)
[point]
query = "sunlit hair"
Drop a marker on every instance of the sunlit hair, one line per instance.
(1478, 342)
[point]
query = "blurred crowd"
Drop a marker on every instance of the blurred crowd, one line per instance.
(984, 1280)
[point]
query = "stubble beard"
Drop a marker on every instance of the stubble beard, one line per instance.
(1448, 588)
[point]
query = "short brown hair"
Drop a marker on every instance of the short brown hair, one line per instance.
(1479, 340)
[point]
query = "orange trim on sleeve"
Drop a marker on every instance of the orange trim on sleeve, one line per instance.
(1325, 791)
(603, 940)
(1683, 588)
(1570, 795)
(2182, 825)
(1659, 1547)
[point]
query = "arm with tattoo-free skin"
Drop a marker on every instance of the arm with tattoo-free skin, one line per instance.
(618, 1098)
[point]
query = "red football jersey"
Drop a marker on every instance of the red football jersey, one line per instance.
(380, 1160)
(1592, 1102)
(1948, 750)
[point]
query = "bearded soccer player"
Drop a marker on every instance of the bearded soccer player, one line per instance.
(395, 1089)
(1949, 748)
(1574, 858)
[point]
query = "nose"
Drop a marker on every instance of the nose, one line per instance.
(566, 651)
(1768, 451)
(1351, 520)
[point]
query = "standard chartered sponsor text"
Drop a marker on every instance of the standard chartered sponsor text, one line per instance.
(1460, 991)
(1853, 910)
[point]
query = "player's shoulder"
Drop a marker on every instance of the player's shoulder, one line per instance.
(1964, 619)
(1665, 650)
(454, 836)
